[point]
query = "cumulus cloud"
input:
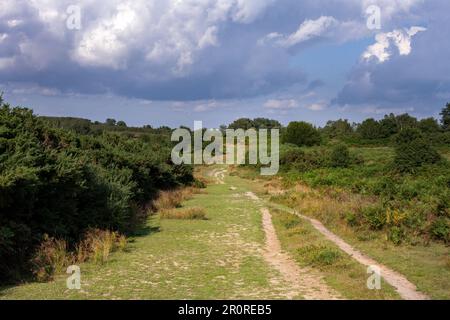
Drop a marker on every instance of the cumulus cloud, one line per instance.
(399, 38)
(208, 50)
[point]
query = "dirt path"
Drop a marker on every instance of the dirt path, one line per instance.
(406, 289)
(219, 175)
(301, 280)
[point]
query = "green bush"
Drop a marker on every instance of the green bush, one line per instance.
(413, 151)
(440, 229)
(396, 235)
(319, 255)
(375, 216)
(301, 134)
(340, 157)
(60, 183)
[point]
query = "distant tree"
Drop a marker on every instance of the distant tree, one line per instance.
(370, 129)
(338, 129)
(242, 123)
(445, 120)
(429, 126)
(121, 124)
(406, 121)
(263, 123)
(147, 126)
(258, 123)
(413, 151)
(301, 134)
(110, 122)
(389, 125)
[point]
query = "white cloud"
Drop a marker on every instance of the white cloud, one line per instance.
(399, 38)
(281, 104)
(208, 106)
(317, 106)
(324, 27)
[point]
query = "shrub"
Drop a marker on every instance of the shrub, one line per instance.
(59, 182)
(299, 160)
(396, 235)
(375, 217)
(440, 229)
(319, 255)
(413, 151)
(194, 213)
(289, 221)
(340, 157)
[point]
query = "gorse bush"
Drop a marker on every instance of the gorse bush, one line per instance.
(412, 151)
(61, 183)
(340, 157)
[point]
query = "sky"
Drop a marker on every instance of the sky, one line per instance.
(170, 62)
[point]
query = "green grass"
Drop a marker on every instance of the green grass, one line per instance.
(427, 265)
(310, 249)
(218, 258)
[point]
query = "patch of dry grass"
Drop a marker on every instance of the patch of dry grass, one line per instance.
(97, 245)
(171, 199)
(53, 256)
(194, 213)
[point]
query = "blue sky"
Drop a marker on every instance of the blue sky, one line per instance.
(170, 62)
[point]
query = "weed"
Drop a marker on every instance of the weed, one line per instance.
(50, 258)
(194, 213)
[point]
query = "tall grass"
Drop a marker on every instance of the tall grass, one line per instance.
(194, 213)
(53, 255)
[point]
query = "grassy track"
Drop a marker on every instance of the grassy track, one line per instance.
(218, 258)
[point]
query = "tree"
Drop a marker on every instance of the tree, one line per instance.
(337, 129)
(121, 124)
(445, 121)
(110, 122)
(413, 151)
(301, 134)
(242, 123)
(264, 123)
(389, 125)
(405, 121)
(258, 123)
(429, 126)
(370, 129)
